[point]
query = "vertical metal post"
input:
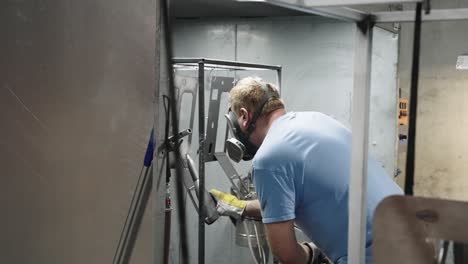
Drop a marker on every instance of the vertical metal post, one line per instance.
(201, 162)
(413, 107)
(167, 118)
(158, 190)
(359, 145)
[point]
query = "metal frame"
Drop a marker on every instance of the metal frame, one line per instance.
(359, 144)
(228, 64)
(201, 162)
(335, 9)
(201, 64)
(362, 66)
(435, 15)
(328, 3)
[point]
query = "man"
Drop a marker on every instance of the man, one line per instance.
(301, 169)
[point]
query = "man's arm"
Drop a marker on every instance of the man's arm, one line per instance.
(283, 243)
(253, 209)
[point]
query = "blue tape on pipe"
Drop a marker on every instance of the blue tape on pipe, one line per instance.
(149, 150)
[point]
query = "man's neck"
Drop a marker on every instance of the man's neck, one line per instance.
(271, 117)
(264, 123)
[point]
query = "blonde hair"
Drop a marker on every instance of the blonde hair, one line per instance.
(249, 93)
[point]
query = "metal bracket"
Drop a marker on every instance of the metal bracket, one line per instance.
(219, 85)
(230, 171)
(187, 85)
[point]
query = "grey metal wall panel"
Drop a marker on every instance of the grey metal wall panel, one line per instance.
(209, 38)
(316, 55)
(76, 96)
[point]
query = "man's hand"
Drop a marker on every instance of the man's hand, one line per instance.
(316, 256)
(228, 205)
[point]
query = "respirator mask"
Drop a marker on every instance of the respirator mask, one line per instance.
(239, 147)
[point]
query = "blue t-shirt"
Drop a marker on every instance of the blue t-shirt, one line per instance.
(301, 172)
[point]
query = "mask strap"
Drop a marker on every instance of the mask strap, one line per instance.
(266, 98)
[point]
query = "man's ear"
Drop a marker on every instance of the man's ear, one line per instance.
(245, 117)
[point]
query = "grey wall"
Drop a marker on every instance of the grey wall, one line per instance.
(441, 143)
(76, 96)
(316, 59)
(316, 55)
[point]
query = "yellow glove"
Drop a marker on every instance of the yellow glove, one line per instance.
(228, 205)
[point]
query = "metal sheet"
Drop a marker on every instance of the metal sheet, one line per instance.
(405, 227)
(76, 109)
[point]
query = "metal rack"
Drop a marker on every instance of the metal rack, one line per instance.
(200, 64)
(338, 9)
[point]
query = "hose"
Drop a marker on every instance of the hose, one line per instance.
(250, 242)
(260, 248)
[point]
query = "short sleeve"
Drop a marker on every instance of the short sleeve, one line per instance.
(276, 194)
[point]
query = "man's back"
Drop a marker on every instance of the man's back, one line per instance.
(301, 172)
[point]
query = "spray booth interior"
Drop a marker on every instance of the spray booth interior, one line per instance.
(84, 96)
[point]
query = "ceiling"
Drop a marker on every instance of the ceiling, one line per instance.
(226, 8)
(233, 8)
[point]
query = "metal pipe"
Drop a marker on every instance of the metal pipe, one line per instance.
(167, 234)
(201, 161)
(167, 66)
(158, 214)
(211, 215)
(225, 63)
(134, 217)
(137, 207)
(249, 241)
(413, 109)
